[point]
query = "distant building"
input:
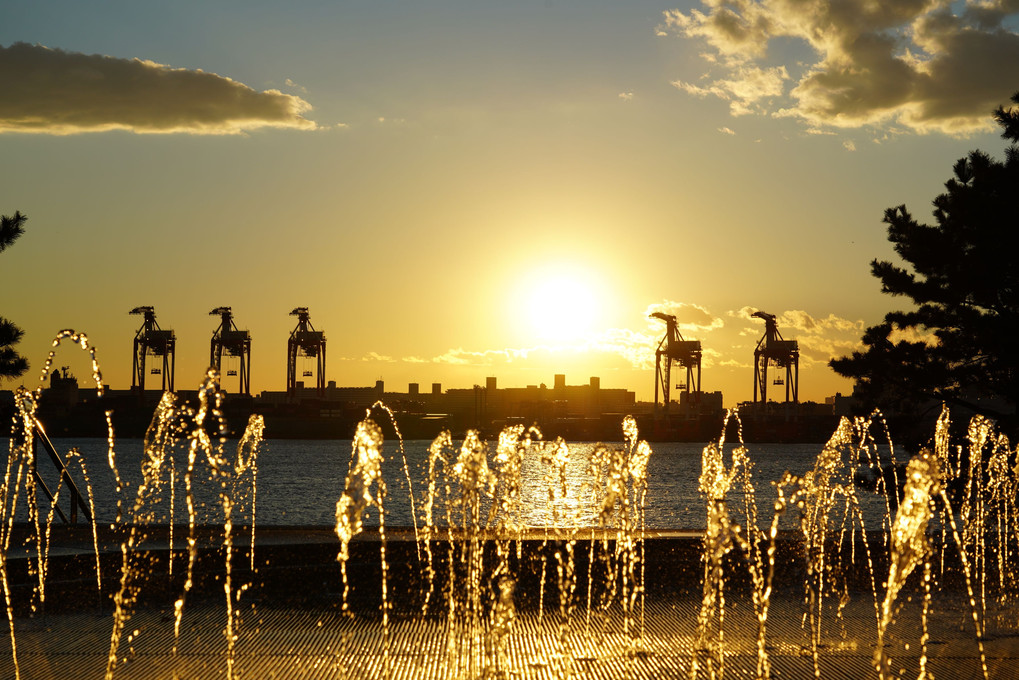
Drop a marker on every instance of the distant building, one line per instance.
(484, 407)
(697, 405)
(362, 397)
(841, 406)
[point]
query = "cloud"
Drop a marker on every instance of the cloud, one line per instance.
(911, 334)
(623, 346)
(819, 339)
(626, 96)
(690, 318)
(849, 145)
(921, 65)
(635, 348)
(729, 345)
(726, 131)
(819, 349)
(50, 91)
(491, 357)
(746, 92)
(745, 313)
(801, 320)
(295, 86)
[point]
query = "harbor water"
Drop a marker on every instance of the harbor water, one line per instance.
(299, 481)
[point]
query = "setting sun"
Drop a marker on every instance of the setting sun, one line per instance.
(560, 306)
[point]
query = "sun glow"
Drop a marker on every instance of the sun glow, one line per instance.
(561, 306)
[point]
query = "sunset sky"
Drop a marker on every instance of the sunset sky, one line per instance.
(459, 190)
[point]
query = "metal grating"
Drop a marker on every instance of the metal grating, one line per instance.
(287, 643)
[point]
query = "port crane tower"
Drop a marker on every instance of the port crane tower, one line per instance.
(673, 348)
(309, 343)
(152, 341)
(772, 350)
(228, 339)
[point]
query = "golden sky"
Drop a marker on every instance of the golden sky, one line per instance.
(460, 190)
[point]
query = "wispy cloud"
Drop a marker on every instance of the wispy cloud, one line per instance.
(491, 357)
(50, 91)
(625, 347)
(636, 349)
(917, 64)
(725, 344)
(296, 86)
(616, 346)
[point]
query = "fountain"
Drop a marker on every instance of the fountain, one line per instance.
(470, 585)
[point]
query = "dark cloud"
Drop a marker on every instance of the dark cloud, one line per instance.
(55, 92)
(926, 65)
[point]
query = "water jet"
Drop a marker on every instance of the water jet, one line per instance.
(520, 557)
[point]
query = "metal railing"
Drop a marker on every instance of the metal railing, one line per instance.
(77, 502)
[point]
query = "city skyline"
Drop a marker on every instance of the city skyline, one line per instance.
(458, 191)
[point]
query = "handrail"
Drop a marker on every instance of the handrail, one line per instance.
(77, 502)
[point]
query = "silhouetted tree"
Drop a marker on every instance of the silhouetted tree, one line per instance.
(958, 345)
(12, 364)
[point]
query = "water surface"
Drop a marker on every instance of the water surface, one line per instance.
(299, 482)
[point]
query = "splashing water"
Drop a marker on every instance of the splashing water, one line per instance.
(358, 495)
(175, 426)
(475, 500)
(21, 472)
(950, 518)
(719, 538)
(357, 498)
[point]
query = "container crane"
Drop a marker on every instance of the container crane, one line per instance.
(228, 339)
(152, 341)
(306, 342)
(772, 350)
(673, 348)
